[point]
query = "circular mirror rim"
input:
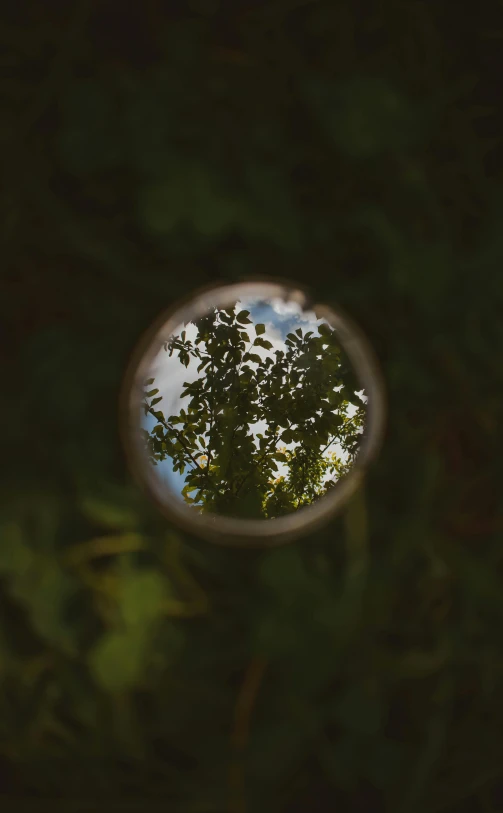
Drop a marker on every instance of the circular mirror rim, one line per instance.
(228, 530)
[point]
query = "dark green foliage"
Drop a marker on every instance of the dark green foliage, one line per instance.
(297, 393)
(150, 148)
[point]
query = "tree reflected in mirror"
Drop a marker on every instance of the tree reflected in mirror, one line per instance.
(265, 423)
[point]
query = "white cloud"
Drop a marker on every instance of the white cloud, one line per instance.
(273, 334)
(283, 308)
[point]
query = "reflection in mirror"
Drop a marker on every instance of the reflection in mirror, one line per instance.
(252, 411)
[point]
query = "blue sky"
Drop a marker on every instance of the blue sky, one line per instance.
(279, 318)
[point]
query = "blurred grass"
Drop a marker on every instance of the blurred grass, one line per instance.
(356, 148)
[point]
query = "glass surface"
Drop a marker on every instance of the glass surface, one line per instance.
(251, 411)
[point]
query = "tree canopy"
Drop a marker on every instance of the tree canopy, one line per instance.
(302, 395)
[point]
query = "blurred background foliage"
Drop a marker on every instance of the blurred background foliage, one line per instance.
(149, 149)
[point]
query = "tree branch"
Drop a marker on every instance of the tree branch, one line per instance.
(238, 390)
(274, 439)
(177, 433)
(212, 420)
(336, 437)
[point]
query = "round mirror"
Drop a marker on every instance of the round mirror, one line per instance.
(250, 412)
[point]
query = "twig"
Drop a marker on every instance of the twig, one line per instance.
(177, 433)
(274, 439)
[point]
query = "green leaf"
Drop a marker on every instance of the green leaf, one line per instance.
(335, 398)
(149, 381)
(156, 401)
(245, 337)
(242, 317)
(45, 578)
(248, 505)
(118, 660)
(141, 595)
(259, 329)
(263, 343)
(110, 513)
(151, 393)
